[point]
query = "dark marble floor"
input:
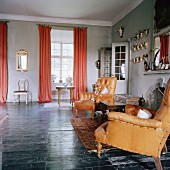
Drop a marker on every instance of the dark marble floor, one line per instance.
(40, 136)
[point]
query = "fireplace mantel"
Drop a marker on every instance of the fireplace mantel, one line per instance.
(156, 72)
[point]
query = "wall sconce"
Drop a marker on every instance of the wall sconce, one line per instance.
(121, 31)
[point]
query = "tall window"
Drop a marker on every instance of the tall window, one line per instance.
(62, 58)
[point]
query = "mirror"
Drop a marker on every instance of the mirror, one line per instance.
(161, 51)
(21, 60)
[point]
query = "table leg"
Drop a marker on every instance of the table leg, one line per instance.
(71, 97)
(59, 94)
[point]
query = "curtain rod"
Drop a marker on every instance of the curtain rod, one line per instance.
(67, 26)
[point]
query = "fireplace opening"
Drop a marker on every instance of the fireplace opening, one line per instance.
(155, 94)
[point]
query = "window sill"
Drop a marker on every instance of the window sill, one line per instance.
(157, 72)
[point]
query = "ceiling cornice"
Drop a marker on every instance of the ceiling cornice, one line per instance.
(55, 20)
(123, 13)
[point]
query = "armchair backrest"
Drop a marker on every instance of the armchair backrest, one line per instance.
(108, 82)
(163, 113)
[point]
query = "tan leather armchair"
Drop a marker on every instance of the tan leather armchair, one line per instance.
(144, 136)
(89, 99)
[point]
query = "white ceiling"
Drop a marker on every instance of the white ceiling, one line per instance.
(92, 12)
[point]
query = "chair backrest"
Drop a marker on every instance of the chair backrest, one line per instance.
(108, 82)
(163, 113)
(23, 85)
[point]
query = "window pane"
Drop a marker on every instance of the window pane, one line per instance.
(117, 69)
(117, 56)
(64, 67)
(122, 62)
(55, 49)
(55, 68)
(64, 50)
(123, 48)
(67, 49)
(70, 49)
(117, 49)
(67, 68)
(117, 62)
(123, 56)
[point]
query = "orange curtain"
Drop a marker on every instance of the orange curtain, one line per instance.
(164, 45)
(3, 62)
(45, 92)
(80, 61)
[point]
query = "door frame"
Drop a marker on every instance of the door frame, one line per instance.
(126, 81)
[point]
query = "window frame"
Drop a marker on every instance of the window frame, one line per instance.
(61, 57)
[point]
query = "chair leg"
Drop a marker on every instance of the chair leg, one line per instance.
(164, 149)
(76, 113)
(31, 97)
(158, 163)
(19, 98)
(99, 148)
(92, 115)
(26, 98)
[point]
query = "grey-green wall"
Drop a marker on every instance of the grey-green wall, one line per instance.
(140, 18)
(24, 35)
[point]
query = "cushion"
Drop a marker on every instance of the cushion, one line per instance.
(145, 114)
(104, 91)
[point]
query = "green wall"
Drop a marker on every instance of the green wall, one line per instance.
(142, 17)
(138, 19)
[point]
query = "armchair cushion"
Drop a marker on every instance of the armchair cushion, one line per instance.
(133, 110)
(149, 123)
(145, 114)
(104, 91)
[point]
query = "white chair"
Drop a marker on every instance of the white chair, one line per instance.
(23, 89)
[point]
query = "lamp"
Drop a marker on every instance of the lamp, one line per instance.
(121, 31)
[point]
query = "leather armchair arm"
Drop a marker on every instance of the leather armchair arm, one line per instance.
(133, 110)
(150, 123)
(86, 95)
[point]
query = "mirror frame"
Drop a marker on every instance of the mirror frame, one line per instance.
(20, 64)
(165, 31)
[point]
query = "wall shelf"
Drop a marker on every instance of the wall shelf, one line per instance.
(156, 72)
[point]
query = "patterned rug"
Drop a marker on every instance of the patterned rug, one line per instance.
(85, 128)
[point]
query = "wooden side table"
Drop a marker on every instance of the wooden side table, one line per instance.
(71, 88)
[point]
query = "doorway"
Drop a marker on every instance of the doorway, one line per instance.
(120, 66)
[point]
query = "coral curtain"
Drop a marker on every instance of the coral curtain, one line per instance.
(45, 92)
(80, 61)
(3, 62)
(164, 45)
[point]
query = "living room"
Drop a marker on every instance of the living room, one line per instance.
(20, 37)
(23, 34)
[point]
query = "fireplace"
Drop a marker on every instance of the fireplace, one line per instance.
(155, 95)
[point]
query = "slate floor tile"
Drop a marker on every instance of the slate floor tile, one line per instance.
(42, 138)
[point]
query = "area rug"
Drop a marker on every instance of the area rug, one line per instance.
(85, 128)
